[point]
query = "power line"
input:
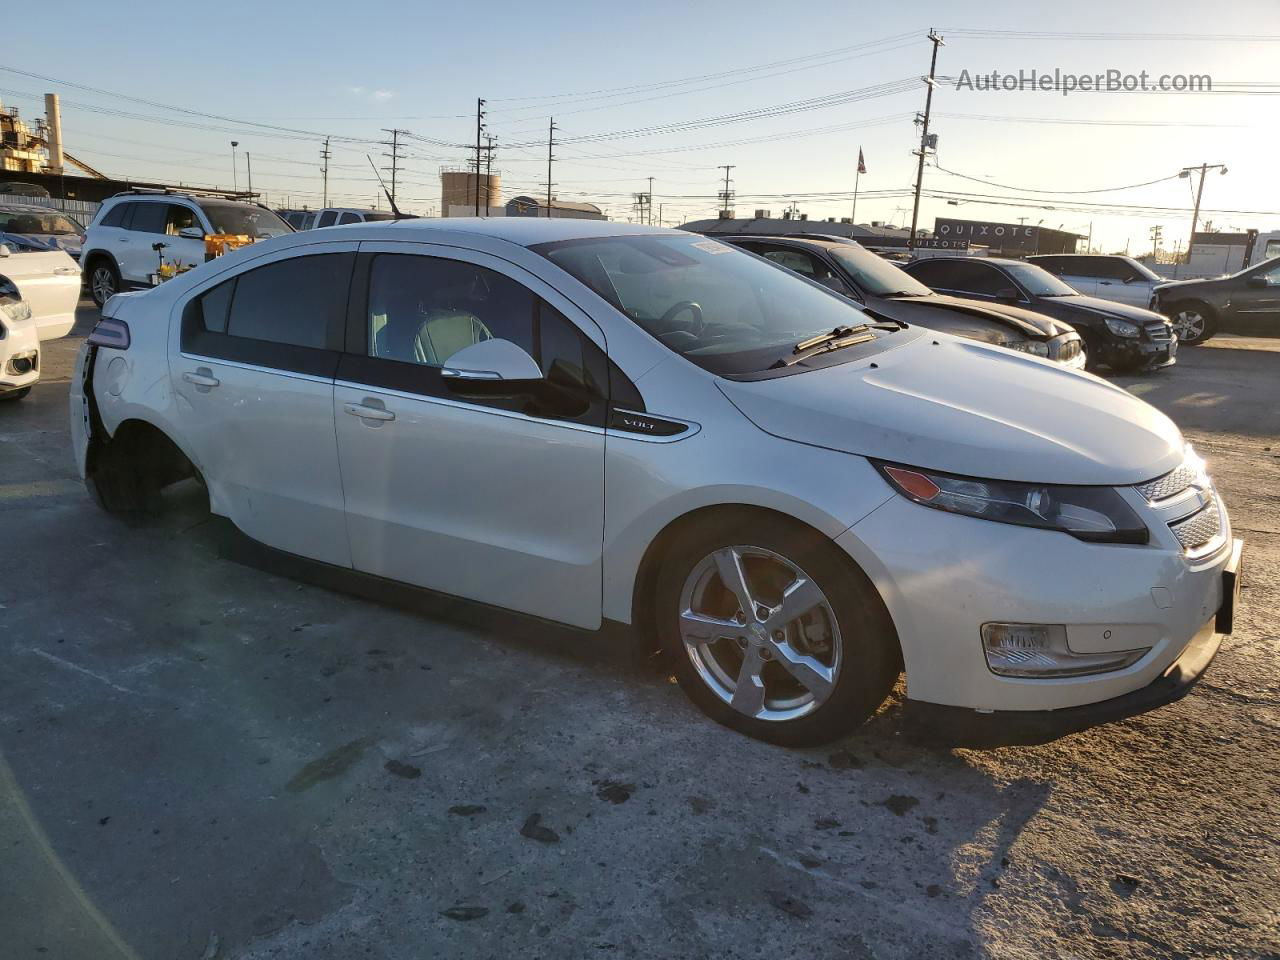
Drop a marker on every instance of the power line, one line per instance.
(1005, 186)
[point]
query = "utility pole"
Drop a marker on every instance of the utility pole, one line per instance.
(325, 155)
(479, 129)
(1155, 241)
(551, 141)
(235, 184)
(936, 40)
(726, 195)
(488, 174)
(394, 155)
(1195, 215)
(649, 200)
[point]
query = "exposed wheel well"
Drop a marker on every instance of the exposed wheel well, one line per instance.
(129, 470)
(1204, 308)
(642, 606)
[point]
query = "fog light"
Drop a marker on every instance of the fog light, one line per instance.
(1040, 650)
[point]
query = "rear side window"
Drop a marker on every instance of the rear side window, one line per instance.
(326, 219)
(149, 217)
(965, 275)
(296, 301)
(350, 218)
(212, 309)
(118, 215)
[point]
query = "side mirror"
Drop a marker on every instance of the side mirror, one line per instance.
(191, 233)
(1257, 281)
(490, 362)
(4, 251)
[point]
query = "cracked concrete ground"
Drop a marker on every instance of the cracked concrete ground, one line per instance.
(201, 759)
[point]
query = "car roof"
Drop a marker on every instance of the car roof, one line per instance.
(997, 261)
(815, 240)
(525, 231)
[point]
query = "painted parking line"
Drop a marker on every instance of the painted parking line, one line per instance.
(39, 488)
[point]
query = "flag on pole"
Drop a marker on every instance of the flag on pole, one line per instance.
(862, 164)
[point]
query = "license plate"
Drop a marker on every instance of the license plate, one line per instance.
(1230, 589)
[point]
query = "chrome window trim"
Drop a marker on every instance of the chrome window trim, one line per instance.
(255, 368)
(460, 405)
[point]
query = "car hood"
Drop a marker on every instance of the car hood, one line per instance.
(1110, 308)
(963, 407)
(1026, 322)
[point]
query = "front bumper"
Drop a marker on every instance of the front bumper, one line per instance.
(1137, 353)
(19, 356)
(942, 576)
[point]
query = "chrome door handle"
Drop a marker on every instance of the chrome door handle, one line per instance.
(365, 412)
(201, 378)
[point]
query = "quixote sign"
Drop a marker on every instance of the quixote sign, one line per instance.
(1007, 236)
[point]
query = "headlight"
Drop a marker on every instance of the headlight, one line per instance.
(1121, 328)
(1096, 514)
(1035, 347)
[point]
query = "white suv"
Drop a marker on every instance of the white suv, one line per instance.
(120, 248)
(1122, 279)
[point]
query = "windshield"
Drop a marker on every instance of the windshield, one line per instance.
(1142, 270)
(1038, 281)
(723, 309)
(243, 218)
(875, 275)
(27, 221)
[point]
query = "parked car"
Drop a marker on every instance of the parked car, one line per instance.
(337, 216)
(588, 422)
(883, 288)
(1116, 335)
(1121, 279)
(38, 295)
(1247, 302)
(299, 219)
(29, 227)
(121, 243)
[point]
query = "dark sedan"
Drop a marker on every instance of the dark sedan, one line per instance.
(882, 288)
(1116, 335)
(1246, 302)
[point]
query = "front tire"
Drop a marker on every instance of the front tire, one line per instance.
(773, 631)
(104, 281)
(1193, 322)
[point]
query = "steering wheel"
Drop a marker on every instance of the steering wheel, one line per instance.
(678, 308)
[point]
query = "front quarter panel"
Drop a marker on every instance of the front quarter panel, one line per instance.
(650, 483)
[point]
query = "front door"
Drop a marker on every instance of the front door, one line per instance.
(1255, 302)
(493, 498)
(252, 363)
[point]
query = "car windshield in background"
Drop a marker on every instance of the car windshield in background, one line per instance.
(1143, 271)
(726, 311)
(877, 276)
(243, 218)
(27, 221)
(1038, 281)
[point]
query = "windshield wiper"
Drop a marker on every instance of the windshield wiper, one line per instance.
(826, 342)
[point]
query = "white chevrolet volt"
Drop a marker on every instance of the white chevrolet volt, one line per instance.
(589, 422)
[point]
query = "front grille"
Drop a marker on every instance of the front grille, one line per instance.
(1158, 330)
(1199, 529)
(1172, 483)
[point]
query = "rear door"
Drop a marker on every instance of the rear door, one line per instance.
(137, 258)
(492, 498)
(110, 234)
(1082, 274)
(252, 363)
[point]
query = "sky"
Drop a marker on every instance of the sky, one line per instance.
(787, 95)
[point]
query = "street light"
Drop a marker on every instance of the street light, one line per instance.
(234, 182)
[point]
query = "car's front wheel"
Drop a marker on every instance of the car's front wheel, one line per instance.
(774, 632)
(1193, 322)
(104, 281)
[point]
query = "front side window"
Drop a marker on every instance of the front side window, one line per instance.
(350, 218)
(425, 309)
(243, 219)
(179, 219)
(117, 216)
(965, 276)
(707, 301)
(327, 218)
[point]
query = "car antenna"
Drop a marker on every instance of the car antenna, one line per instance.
(390, 199)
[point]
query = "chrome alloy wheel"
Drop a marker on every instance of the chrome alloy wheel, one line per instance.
(103, 283)
(761, 634)
(1188, 324)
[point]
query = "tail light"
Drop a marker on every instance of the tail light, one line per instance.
(112, 333)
